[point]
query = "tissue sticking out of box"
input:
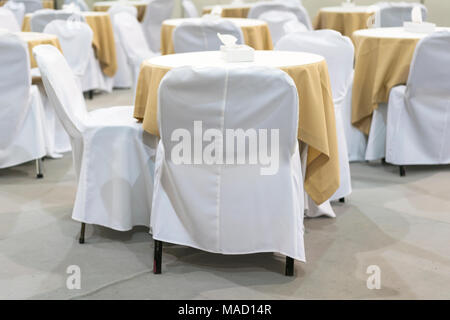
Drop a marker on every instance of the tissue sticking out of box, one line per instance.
(416, 14)
(232, 52)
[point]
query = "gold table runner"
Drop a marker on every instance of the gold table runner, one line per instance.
(235, 12)
(317, 126)
(141, 7)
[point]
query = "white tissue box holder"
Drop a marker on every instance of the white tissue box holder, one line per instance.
(348, 4)
(424, 27)
(239, 53)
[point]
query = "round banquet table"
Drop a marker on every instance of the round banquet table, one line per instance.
(382, 61)
(141, 6)
(346, 20)
(46, 4)
(317, 127)
(256, 33)
(103, 40)
(34, 39)
(232, 10)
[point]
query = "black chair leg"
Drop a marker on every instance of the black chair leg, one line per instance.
(83, 228)
(402, 171)
(91, 94)
(39, 173)
(289, 267)
(342, 200)
(157, 257)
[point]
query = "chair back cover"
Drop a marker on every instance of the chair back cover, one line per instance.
(8, 20)
(18, 8)
(79, 3)
(62, 89)
(31, 5)
(337, 50)
(201, 35)
(190, 11)
(393, 14)
(157, 11)
(294, 26)
(15, 83)
(75, 38)
(276, 21)
(297, 9)
(41, 18)
(121, 7)
(228, 208)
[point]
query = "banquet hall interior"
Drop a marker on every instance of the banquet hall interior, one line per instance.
(219, 149)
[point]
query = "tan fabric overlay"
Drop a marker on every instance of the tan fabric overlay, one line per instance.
(344, 22)
(103, 41)
(46, 4)
(258, 37)
(317, 126)
(140, 9)
(35, 39)
(380, 65)
(231, 12)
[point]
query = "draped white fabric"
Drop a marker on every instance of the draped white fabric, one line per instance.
(297, 9)
(418, 114)
(232, 208)
(393, 14)
(30, 5)
(157, 11)
(22, 121)
(338, 51)
(113, 157)
(41, 18)
(18, 8)
(8, 20)
(276, 21)
(201, 35)
(78, 3)
(190, 11)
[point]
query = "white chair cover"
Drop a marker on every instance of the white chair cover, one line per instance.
(22, 123)
(124, 74)
(276, 21)
(113, 157)
(338, 51)
(157, 11)
(297, 9)
(418, 126)
(18, 8)
(133, 42)
(292, 26)
(393, 14)
(8, 20)
(79, 3)
(30, 5)
(232, 208)
(41, 18)
(190, 11)
(201, 35)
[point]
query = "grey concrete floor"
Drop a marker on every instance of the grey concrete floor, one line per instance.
(401, 225)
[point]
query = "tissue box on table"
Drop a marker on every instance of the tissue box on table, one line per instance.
(422, 27)
(239, 53)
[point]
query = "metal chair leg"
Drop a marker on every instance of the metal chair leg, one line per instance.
(39, 173)
(289, 267)
(157, 257)
(402, 171)
(91, 94)
(83, 228)
(342, 200)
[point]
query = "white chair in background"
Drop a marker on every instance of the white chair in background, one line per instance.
(157, 11)
(18, 8)
(276, 20)
(113, 158)
(22, 123)
(201, 35)
(41, 18)
(393, 14)
(8, 20)
(31, 5)
(292, 26)
(190, 11)
(338, 51)
(124, 74)
(302, 15)
(133, 42)
(418, 113)
(78, 3)
(228, 208)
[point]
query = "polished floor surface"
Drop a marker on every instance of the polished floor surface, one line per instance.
(400, 225)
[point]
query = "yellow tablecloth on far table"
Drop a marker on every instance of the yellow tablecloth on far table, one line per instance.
(317, 127)
(141, 6)
(46, 4)
(346, 20)
(34, 39)
(256, 33)
(103, 41)
(231, 10)
(382, 61)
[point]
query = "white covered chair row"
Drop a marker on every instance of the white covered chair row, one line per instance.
(393, 14)
(30, 5)
(17, 8)
(8, 20)
(157, 11)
